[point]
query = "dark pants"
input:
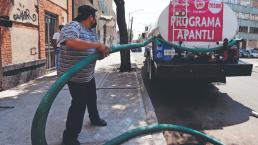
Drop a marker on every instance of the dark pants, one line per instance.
(57, 55)
(83, 94)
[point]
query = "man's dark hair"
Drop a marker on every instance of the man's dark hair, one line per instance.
(84, 12)
(60, 27)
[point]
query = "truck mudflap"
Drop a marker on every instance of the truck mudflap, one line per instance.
(165, 70)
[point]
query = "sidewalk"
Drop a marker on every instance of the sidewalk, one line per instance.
(122, 101)
(253, 61)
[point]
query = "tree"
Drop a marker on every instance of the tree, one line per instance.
(125, 54)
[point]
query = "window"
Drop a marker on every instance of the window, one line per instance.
(231, 1)
(253, 30)
(244, 15)
(245, 2)
(241, 15)
(227, 1)
(256, 17)
(243, 29)
(235, 1)
(237, 14)
(50, 29)
(252, 17)
(91, 1)
(247, 16)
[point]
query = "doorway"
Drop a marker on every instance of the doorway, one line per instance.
(50, 29)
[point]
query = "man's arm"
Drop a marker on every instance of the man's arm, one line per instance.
(70, 37)
(81, 45)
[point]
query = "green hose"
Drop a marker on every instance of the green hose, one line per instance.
(157, 128)
(40, 117)
(196, 49)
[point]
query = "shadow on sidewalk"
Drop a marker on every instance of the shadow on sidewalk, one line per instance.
(38, 85)
(197, 106)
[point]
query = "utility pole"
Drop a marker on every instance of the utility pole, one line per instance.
(131, 29)
(130, 33)
(128, 24)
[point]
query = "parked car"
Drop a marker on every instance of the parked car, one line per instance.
(254, 53)
(139, 49)
(244, 53)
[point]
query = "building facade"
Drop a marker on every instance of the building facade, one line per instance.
(106, 28)
(247, 14)
(26, 50)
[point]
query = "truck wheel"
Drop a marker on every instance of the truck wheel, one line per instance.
(151, 71)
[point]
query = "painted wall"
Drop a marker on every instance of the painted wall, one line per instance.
(106, 28)
(106, 6)
(25, 12)
(62, 3)
(63, 18)
(252, 43)
(24, 48)
(78, 3)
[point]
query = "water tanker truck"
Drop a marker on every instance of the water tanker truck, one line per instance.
(196, 41)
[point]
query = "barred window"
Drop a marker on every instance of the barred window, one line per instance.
(243, 29)
(253, 30)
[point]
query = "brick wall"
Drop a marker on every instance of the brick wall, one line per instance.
(14, 74)
(5, 38)
(46, 5)
(43, 5)
(5, 7)
(6, 50)
(41, 15)
(70, 10)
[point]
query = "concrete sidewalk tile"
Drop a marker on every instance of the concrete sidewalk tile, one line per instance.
(116, 80)
(122, 113)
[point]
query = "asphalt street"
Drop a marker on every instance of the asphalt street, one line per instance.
(220, 110)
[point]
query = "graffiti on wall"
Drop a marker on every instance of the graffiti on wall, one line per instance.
(24, 14)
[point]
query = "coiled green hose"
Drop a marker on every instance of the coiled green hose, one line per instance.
(160, 127)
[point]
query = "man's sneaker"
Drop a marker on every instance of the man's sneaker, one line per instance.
(99, 122)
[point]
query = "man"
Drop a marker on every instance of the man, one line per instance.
(77, 42)
(56, 44)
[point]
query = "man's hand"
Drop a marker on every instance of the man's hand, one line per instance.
(104, 50)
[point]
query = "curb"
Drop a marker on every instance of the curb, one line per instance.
(151, 118)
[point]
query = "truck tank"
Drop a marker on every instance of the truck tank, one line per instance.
(196, 23)
(196, 40)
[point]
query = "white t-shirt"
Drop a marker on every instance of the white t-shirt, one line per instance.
(56, 36)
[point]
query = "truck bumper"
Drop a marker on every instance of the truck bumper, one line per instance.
(164, 70)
